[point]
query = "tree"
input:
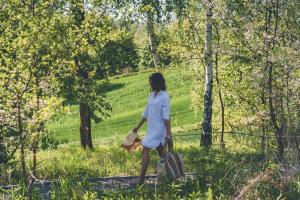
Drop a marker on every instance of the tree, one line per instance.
(222, 106)
(118, 54)
(206, 136)
(84, 38)
(150, 7)
(260, 47)
(26, 66)
(149, 11)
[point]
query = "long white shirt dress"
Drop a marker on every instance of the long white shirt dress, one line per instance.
(157, 109)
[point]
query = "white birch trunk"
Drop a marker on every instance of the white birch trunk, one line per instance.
(206, 136)
(152, 39)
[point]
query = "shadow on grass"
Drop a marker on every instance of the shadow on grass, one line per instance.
(106, 87)
(102, 88)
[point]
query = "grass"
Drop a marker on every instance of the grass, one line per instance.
(220, 172)
(223, 172)
(128, 97)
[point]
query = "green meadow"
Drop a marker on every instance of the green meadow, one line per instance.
(128, 97)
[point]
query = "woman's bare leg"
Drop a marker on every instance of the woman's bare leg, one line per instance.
(144, 165)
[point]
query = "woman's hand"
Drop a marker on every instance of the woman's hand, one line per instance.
(169, 136)
(135, 129)
(169, 141)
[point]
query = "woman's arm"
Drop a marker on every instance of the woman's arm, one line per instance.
(144, 118)
(169, 139)
(166, 118)
(168, 128)
(140, 124)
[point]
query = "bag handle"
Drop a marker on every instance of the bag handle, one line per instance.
(169, 144)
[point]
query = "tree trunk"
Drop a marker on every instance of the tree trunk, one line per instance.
(263, 128)
(84, 110)
(152, 39)
(206, 136)
(297, 132)
(269, 67)
(277, 129)
(3, 153)
(22, 141)
(89, 133)
(263, 139)
(85, 126)
(35, 140)
(222, 144)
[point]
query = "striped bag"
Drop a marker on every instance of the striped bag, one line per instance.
(170, 167)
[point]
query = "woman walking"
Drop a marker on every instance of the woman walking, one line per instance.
(157, 115)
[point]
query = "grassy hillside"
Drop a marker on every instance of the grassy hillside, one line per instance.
(128, 96)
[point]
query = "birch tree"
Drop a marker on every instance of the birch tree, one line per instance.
(149, 11)
(206, 135)
(149, 7)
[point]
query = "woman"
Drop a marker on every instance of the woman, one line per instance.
(157, 114)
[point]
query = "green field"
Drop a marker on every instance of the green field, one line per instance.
(128, 97)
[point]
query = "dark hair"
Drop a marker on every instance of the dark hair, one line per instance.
(157, 82)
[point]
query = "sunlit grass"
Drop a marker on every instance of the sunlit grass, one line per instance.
(128, 97)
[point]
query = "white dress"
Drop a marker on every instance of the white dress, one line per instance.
(157, 109)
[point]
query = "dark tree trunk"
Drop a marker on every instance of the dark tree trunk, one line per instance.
(297, 132)
(263, 139)
(3, 152)
(269, 66)
(263, 128)
(22, 141)
(35, 141)
(89, 133)
(85, 113)
(38, 129)
(84, 110)
(85, 126)
(277, 129)
(222, 144)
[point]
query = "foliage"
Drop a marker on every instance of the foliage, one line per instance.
(118, 55)
(26, 66)
(164, 51)
(82, 41)
(53, 49)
